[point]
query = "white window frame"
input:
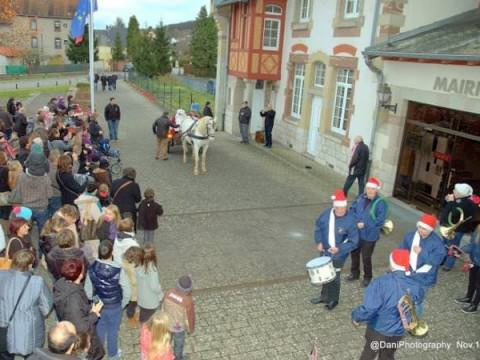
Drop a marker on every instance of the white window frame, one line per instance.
(33, 25)
(57, 39)
(277, 43)
(298, 89)
(59, 27)
(343, 90)
(272, 9)
(355, 13)
(34, 38)
(304, 14)
(319, 78)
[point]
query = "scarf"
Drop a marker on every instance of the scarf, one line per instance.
(413, 254)
(331, 229)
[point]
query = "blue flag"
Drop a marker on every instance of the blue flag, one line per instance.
(80, 18)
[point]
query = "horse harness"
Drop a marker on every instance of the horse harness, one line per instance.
(190, 133)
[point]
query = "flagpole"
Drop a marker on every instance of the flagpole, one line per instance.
(91, 54)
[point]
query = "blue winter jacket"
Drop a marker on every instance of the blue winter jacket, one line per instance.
(106, 282)
(371, 230)
(346, 234)
(473, 248)
(379, 309)
(433, 253)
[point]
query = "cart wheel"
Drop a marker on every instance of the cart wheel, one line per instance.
(116, 168)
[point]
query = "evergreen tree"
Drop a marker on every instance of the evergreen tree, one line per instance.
(117, 51)
(133, 36)
(79, 53)
(203, 47)
(161, 46)
(144, 58)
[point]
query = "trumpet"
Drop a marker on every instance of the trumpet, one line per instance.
(448, 232)
(409, 317)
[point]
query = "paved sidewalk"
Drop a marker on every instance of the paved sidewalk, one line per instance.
(245, 231)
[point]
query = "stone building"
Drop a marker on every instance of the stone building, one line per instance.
(40, 29)
(336, 72)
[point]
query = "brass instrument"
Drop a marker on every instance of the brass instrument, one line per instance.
(448, 232)
(410, 320)
(387, 227)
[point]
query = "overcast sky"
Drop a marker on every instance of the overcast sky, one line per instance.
(148, 12)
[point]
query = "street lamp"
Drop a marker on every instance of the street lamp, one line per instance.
(384, 94)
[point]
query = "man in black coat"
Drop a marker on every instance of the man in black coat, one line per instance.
(160, 128)
(96, 78)
(103, 80)
(357, 168)
(126, 194)
(269, 114)
(244, 117)
(112, 117)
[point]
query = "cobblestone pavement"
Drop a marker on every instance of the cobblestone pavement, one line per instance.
(244, 232)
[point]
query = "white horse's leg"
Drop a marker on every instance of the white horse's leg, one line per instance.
(204, 158)
(185, 150)
(195, 157)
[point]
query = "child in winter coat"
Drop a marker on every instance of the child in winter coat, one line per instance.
(125, 239)
(107, 228)
(149, 294)
(155, 338)
(131, 260)
(148, 213)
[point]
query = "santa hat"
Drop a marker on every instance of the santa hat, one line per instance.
(427, 221)
(373, 183)
(339, 199)
(400, 260)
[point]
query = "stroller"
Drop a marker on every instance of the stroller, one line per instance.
(112, 154)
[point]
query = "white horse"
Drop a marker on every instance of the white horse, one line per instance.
(197, 133)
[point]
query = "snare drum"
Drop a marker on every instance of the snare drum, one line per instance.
(321, 270)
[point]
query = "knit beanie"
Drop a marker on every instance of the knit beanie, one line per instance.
(37, 163)
(184, 283)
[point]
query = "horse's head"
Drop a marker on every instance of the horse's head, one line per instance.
(211, 125)
(180, 116)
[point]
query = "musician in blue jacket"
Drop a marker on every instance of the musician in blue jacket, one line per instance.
(336, 235)
(370, 211)
(380, 311)
(427, 251)
(472, 299)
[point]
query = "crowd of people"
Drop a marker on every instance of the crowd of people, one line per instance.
(108, 82)
(90, 236)
(393, 303)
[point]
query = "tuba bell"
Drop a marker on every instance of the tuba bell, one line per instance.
(409, 317)
(448, 232)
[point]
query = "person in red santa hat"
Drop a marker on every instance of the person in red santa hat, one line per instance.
(380, 311)
(370, 211)
(427, 253)
(336, 235)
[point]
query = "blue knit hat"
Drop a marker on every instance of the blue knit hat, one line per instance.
(185, 283)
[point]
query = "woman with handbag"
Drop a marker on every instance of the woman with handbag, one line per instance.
(25, 301)
(19, 229)
(69, 187)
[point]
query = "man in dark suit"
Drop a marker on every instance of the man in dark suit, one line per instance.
(357, 168)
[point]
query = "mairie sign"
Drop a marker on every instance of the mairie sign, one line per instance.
(457, 86)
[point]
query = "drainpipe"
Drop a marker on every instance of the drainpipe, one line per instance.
(380, 78)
